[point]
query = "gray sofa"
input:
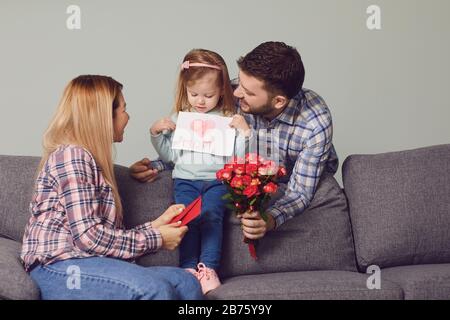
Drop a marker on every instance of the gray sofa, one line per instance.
(394, 214)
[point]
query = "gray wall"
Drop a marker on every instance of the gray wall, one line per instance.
(387, 89)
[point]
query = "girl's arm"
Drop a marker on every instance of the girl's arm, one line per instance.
(161, 136)
(163, 145)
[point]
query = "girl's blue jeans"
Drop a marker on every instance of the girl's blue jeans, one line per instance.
(203, 241)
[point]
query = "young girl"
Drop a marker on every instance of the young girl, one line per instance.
(75, 245)
(204, 87)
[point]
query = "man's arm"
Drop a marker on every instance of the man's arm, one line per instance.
(305, 175)
(161, 165)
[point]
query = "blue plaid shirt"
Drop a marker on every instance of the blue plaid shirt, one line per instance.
(303, 133)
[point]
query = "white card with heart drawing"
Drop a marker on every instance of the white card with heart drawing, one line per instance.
(205, 133)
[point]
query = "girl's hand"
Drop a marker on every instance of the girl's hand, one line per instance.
(161, 125)
(240, 124)
(168, 215)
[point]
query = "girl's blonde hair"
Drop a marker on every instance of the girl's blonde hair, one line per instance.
(189, 75)
(84, 117)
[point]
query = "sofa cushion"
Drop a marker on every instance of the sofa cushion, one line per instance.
(318, 239)
(143, 202)
(17, 176)
(419, 282)
(310, 285)
(399, 206)
(15, 283)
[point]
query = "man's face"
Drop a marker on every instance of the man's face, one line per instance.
(253, 98)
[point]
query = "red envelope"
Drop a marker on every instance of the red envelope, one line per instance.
(189, 213)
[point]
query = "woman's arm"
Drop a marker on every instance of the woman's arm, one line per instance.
(87, 208)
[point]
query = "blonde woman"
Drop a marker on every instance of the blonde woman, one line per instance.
(75, 245)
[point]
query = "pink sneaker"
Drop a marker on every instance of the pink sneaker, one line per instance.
(208, 278)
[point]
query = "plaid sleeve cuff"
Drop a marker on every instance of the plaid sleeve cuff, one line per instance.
(153, 236)
(278, 216)
(158, 165)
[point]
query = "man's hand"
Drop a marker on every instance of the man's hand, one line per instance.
(253, 225)
(161, 125)
(143, 171)
(240, 124)
(168, 215)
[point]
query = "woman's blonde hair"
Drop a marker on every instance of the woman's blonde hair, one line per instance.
(190, 75)
(84, 117)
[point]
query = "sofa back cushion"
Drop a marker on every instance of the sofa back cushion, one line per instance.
(399, 206)
(17, 176)
(318, 239)
(143, 202)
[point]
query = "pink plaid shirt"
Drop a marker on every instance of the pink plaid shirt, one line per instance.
(73, 215)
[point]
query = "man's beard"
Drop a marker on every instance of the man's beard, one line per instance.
(263, 110)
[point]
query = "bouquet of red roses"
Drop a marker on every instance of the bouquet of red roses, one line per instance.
(251, 183)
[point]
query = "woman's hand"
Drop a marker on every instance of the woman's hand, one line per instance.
(161, 125)
(168, 215)
(240, 124)
(142, 171)
(171, 233)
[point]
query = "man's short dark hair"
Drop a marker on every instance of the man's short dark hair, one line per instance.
(278, 65)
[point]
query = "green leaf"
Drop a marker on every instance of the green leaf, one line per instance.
(230, 206)
(263, 215)
(227, 196)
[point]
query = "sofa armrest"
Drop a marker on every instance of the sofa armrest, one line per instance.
(15, 283)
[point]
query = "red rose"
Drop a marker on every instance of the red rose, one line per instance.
(239, 168)
(250, 191)
(255, 182)
(269, 168)
(246, 180)
(224, 174)
(270, 188)
(282, 172)
(251, 169)
(237, 182)
(229, 166)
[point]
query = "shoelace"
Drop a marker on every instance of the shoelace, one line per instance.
(203, 271)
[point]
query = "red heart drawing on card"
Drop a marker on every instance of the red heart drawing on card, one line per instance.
(201, 126)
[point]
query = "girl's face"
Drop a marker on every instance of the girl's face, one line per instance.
(120, 119)
(204, 94)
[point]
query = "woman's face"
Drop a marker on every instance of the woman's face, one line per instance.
(120, 119)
